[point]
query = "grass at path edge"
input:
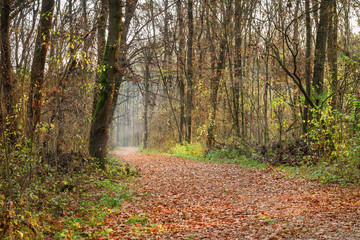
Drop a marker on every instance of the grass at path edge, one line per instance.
(247, 159)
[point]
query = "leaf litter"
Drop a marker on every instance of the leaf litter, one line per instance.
(185, 199)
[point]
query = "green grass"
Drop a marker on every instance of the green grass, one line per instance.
(47, 212)
(321, 172)
(136, 219)
(98, 195)
(196, 152)
(305, 171)
(345, 171)
(152, 151)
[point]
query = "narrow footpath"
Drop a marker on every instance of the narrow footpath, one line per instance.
(184, 199)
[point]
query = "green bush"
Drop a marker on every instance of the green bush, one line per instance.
(238, 156)
(84, 192)
(223, 154)
(334, 140)
(193, 151)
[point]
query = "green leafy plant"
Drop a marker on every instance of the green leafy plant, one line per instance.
(136, 219)
(335, 145)
(193, 151)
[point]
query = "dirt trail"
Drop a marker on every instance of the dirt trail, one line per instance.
(185, 199)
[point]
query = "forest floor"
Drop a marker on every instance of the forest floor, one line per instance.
(185, 199)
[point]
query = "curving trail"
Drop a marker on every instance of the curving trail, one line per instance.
(185, 199)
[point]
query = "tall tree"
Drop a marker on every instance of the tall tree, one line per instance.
(216, 76)
(101, 29)
(180, 66)
(146, 98)
(243, 10)
(320, 50)
(332, 52)
(130, 7)
(38, 66)
(238, 72)
(307, 64)
(99, 133)
(190, 73)
(7, 91)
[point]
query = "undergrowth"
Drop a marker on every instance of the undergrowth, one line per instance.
(67, 205)
(193, 151)
(288, 159)
(197, 152)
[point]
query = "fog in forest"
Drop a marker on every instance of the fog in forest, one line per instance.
(127, 126)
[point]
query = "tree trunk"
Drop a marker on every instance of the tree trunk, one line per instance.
(6, 101)
(101, 27)
(215, 81)
(320, 50)
(189, 90)
(146, 99)
(332, 53)
(99, 133)
(258, 98)
(60, 142)
(237, 69)
(266, 91)
(38, 66)
(167, 51)
(220, 65)
(129, 13)
(307, 65)
(180, 67)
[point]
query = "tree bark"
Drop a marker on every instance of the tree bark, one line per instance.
(307, 65)
(332, 53)
(146, 99)
(320, 50)
(7, 90)
(238, 69)
(101, 29)
(266, 91)
(215, 82)
(180, 67)
(38, 66)
(189, 90)
(129, 13)
(99, 133)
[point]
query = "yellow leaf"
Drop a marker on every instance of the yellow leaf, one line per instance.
(20, 234)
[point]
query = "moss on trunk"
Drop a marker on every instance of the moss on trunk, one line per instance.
(99, 133)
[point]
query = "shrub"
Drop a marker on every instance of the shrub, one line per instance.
(334, 141)
(192, 151)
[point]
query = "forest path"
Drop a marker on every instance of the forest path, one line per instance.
(185, 199)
